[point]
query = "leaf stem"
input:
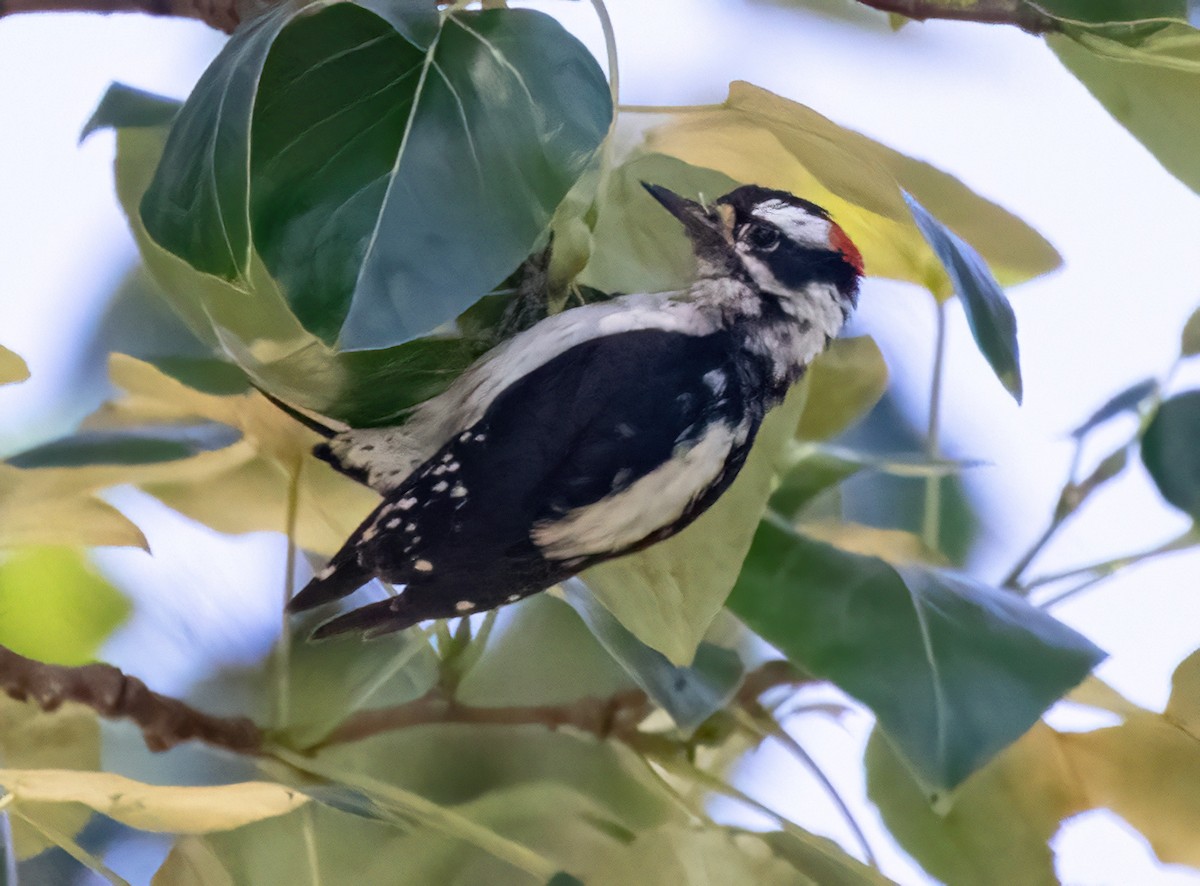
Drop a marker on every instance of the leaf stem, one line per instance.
(669, 109)
(427, 813)
(717, 786)
(1106, 568)
(283, 647)
(931, 523)
(757, 723)
(8, 852)
(68, 845)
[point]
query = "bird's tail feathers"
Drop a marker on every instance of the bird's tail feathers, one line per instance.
(372, 620)
(342, 577)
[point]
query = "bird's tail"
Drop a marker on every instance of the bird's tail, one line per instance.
(342, 577)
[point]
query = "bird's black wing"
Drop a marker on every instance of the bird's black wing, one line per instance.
(582, 427)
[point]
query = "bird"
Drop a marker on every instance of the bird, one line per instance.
(598, 431)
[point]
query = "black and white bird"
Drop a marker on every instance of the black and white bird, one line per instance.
(600, 430)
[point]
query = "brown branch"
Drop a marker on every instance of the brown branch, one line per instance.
(220, 14)
(1020, 13)
(165, 722)
(616, 716)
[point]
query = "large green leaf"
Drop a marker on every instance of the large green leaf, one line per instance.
(635, 246)
(1170, 452)
(390, 166)
(990, 316)
(1147, 77)
(362, 388)
(953, 670)
(689, 694)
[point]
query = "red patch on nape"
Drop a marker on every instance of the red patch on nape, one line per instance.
(843, 244)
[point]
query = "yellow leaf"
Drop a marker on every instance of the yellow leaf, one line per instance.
(68, 738)
(1147, 771)
(243, 487)
(1183, 707)
(149, 807)
(12, 367)
(994, 830)
(669, 594)
(843, 384)
(758, 137)
(55, 506)
(895, 546)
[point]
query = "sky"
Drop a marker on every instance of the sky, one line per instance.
(991, 105)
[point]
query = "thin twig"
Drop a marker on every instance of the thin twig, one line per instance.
(1018, 13)
(283, 647)
(1107, 568)
(756, 721)
(931, 521)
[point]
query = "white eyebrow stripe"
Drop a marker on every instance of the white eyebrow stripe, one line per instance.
(795, 223)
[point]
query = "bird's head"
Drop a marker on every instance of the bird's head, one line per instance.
(780, 242)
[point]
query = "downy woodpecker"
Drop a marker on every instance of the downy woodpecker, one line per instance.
(600, 430)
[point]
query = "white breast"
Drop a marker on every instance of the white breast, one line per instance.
(645, 506)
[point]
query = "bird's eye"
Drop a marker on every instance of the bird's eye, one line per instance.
(762, 237)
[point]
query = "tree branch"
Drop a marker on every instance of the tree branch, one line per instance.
(616, 716)
(220, 14)
(165, 722)
(1020, 13)
(224, 15)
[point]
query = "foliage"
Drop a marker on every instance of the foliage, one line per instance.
(575, 736)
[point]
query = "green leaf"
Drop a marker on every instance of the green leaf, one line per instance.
(953, 670)
(128, 446)
(682, 855)
(390, 167)
(54, 607)
(127, 106)
(1170, 453)
(635, 247)
(1189, 343)
(1147, 78)
(669, 594)
(335, 678)
(813, 472)
(821, 860)
(1104, 11)
(211, 375)
(1127, 400)
(541, 652)
(689, 694)
(30, 738)
(990, 316)
(453, 763)
(12, 367)
(843, 384)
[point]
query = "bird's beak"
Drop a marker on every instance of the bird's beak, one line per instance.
(703, 225)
